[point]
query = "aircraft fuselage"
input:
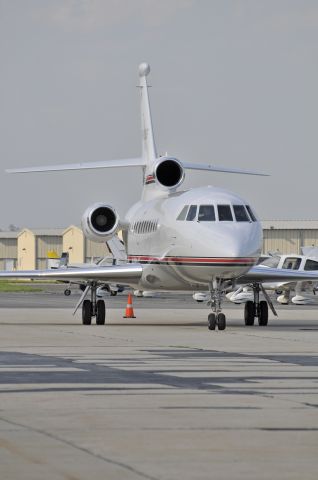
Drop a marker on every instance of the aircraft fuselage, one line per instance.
(188, 254)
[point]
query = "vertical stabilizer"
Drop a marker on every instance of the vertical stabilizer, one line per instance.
(149, 152)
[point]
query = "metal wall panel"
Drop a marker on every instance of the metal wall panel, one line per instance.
(8, 247)
(289, 240)
(44, 244)
(310, 238)
(95, 249)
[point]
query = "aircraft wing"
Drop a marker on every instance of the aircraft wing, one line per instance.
(122, 274)
(261, 274)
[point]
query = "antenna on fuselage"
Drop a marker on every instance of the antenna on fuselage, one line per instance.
(149, 151)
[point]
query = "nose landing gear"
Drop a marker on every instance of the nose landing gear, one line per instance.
(216, 318)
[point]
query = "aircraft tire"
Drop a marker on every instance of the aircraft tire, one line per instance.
(249, 313)
(212, 321)
(67, 292)
(87, 312)
(263, 314)
(101, 312)
(221, 321)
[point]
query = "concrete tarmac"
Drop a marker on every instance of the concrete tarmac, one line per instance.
(157, 397)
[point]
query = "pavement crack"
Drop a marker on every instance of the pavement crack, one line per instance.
(117, 463)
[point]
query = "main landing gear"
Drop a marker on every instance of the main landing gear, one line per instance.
(216, 318)
(93, 308)
(253, 309)
(258, 309)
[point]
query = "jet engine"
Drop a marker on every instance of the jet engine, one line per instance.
(169, 173)
(100, 222)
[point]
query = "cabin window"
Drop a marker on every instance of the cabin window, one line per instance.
(311, 265)
(192, 213)
(292, 263)
(206, 213)
(240, 213)
(225, 213)
(183, 213)
(251, 214)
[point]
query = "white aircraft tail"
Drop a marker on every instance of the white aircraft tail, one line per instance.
(170, 172)
(149, 153)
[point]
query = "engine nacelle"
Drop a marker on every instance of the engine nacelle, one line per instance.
(169, 173)
(100, 222)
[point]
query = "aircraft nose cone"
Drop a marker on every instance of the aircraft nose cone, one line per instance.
(239, 247)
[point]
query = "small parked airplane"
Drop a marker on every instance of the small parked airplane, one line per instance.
(199, 239)
(305, 291)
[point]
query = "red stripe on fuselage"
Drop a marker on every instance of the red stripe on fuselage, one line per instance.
(209, 260)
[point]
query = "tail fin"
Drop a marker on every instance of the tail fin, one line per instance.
(149, 152)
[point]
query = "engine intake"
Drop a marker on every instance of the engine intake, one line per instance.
(100, 222)
(169, 173)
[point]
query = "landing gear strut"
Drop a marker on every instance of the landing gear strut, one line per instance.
(216, 318)
(93, 308)
(257, 309)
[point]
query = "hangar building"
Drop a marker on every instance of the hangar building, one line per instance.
(31, 249)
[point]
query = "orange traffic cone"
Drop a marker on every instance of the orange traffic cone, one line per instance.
(129, 309)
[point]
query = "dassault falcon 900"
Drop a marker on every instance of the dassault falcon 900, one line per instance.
(202, 239)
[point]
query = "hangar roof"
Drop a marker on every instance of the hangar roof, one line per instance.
(290, 224)
(9, 234)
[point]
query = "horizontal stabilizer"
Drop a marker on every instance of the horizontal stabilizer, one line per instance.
(128, 162)
(215, 168)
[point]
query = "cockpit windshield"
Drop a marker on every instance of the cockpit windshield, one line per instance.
(251, 213)
(240, 213)
(183, 213)
(225, 213)
(206, 213)
(192, 213)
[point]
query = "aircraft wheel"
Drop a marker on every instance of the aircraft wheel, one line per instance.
(212, 321)
(249, 313)
(221, 321)
(113, 293)
(263, 313)
(101, 312)
(67, 292)
(87, 312)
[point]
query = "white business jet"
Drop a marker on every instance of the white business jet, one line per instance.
(200, 239)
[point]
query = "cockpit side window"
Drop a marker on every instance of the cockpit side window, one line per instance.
(183, 213)
(192, 213)
(206, 213)
(251, 213)
(292, 263)
(240, 213)
(311, 265)
(225, 213)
